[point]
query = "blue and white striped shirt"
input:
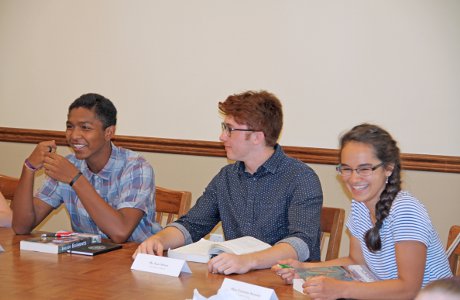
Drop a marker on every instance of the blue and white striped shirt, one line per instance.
(408, 221)
(126, 181)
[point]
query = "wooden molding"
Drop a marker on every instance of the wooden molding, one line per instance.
(421, 162)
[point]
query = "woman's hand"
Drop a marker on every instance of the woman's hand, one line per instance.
(324, 288)
(285, 269)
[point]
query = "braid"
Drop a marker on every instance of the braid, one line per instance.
(382, 209)
(387, 151)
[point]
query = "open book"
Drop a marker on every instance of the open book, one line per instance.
(203, 250)
(347, 273)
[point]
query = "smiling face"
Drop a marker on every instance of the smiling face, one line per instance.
(365, 189)
(87, 137)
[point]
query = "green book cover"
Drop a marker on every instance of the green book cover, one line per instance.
(346, 273)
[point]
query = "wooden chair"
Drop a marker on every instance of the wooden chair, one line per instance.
(332, 224)
(453, 258)
(8, 186)
(171, 204)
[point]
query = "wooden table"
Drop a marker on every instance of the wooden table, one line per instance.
(33, 275)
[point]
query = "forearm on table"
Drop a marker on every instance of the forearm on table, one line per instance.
(114, 223)
(170, 237)
(383, 289)
(269, 257)
(24, 216)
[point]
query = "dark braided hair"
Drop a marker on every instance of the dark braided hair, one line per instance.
(387, 151)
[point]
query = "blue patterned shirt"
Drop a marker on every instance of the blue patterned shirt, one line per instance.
(408, 221)
(280, 203)
(127, 180)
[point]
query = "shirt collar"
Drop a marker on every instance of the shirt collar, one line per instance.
(270, 165)
(108, 168)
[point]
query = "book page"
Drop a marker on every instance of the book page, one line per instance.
(361, 273)
(346, 273)
(202, 250)
(336, 272)
(242, 245)
(197, 252)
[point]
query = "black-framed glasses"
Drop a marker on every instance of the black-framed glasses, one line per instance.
(228, 130)
(364, 170)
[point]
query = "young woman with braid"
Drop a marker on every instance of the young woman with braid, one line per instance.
(391, 231)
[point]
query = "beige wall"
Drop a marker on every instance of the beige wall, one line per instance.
(164, 62)
(438, 191)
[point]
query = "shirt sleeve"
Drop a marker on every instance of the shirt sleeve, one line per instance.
(50, 192)
(137, 186)
(304, 213)
(350, 224)
(410, 221)
(202, 217)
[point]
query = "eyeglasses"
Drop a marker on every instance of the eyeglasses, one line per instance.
(365, 170)
(228, 130)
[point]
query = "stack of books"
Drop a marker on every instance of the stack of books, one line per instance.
(59, 243)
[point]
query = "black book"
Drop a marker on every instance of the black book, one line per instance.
(95, 249)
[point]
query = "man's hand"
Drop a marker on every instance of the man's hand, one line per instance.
(226, 263)
(59, 168)
(152, 245)
(41, 151)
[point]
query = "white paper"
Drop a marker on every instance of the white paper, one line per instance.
(160, 265)
(297, 285)
(247, 291)
(1, 249)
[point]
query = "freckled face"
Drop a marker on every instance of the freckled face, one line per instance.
(365, 189)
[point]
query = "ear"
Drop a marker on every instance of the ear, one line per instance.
(389, 169)
(109, 132)
(258, 137)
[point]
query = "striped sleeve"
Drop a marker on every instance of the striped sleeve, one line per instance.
(410, 221)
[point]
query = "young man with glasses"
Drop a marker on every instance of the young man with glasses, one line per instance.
(264, 194)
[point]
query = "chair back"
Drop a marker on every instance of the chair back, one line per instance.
(332, 225)
(453, 258)
(171, 204)
(8, 186)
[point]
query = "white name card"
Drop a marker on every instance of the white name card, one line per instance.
(247, 291)
(297, 285)
(160, 265)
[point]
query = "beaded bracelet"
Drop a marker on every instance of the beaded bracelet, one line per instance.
(30, 166)
(75, 178)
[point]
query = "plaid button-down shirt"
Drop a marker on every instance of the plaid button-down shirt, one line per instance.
(127, 180)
